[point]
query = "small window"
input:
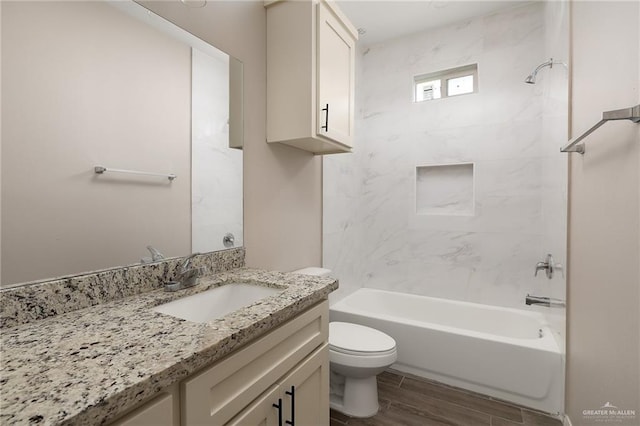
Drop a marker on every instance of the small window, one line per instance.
(442, 84)
(429, 90)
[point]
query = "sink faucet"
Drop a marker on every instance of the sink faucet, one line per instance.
(155, 254)
(187, 261)
(187, 277)
(544, 301)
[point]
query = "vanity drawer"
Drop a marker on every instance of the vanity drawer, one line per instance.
(217, 394)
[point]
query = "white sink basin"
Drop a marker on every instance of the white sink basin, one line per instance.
(217, 302)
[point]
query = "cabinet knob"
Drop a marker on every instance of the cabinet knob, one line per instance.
(292, 394)
(326, 121)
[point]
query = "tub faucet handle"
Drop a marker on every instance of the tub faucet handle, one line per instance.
(540, 266)
(547, 266)
(559, 267)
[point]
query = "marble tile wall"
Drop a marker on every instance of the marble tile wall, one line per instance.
(216, 169)
(444, 190)
(555, 128)
(509, 130)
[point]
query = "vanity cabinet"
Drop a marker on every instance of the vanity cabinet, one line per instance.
(310, 76)
(244, 387)
(283, 375)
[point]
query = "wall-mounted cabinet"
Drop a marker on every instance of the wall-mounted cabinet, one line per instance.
(310, 76)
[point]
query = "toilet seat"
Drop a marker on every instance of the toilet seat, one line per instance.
(360, 353)
(359, 340)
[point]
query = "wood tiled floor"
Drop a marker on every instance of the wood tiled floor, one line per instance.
(412, 401)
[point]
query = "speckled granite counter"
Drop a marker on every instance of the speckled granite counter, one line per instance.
(86, 366)
(37, 300)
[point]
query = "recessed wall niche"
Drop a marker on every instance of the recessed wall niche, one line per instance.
(445, 190)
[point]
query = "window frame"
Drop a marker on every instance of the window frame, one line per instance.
(444, 76)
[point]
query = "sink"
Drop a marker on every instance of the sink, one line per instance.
(217, 302)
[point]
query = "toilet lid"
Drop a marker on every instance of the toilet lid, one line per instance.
(347, 337)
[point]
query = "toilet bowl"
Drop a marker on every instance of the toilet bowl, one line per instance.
(357, 354)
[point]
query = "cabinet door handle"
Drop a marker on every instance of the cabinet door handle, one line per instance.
(279, 407)
(326, 122)
(292, 393)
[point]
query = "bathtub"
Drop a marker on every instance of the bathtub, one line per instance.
(509, 354)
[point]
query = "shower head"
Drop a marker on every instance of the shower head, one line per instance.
(531, 78)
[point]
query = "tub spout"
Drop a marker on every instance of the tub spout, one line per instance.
(544, 301)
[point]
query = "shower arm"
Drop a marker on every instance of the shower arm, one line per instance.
(631, 113)
(531, 78)
(550, 63)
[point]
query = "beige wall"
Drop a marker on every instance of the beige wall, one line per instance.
(78, 94)
(603, 354)
(282, 185)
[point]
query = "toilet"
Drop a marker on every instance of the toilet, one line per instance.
(357, 354)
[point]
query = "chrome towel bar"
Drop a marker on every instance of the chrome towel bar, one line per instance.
(102, 169)
(631, 113)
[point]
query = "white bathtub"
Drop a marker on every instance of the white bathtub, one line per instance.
(509, 354)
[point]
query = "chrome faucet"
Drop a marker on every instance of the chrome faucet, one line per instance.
(187, 261)
(155, 254)
(186, 276)
(544, 301)
(545, 266)
(549, 267)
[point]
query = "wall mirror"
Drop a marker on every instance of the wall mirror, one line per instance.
(111, 84)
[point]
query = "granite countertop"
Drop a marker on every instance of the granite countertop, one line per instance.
(85, 367)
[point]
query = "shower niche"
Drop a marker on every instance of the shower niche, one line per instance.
(445, 189)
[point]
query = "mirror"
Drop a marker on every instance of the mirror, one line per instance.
(111, 84)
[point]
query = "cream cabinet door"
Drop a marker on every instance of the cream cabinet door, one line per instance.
(301, 398)
(264, 412)
(336, 61)
(306, 391)
(158, 412)
(217, 394)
